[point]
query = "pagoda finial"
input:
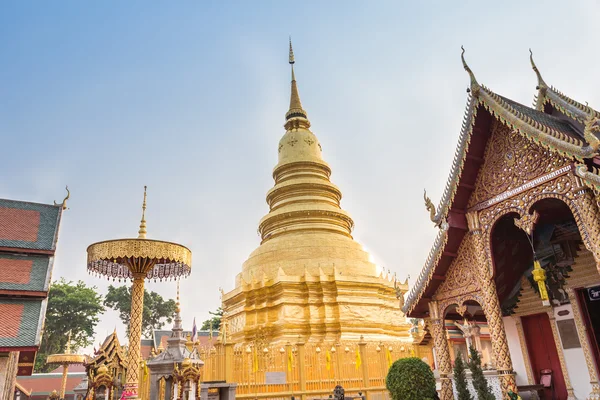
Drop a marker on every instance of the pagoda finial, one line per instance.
(142, 232)
(541, 83)
(296, 117)
(474, 85)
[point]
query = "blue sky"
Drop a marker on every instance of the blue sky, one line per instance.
(189, 98)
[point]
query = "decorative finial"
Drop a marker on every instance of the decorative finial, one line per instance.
(592, 129)
(430, 207)
(541, 83)
(296, 117)
(474, 85)
(142, 232)
(291, 52)
(68, 350)
(64, 202)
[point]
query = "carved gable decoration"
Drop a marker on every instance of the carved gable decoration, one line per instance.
(510, 161)
(461, 277)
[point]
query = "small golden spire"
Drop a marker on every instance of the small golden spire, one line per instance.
(474, 84)
(68, 351)
(296, 112)
(541, 83)
(142, 232)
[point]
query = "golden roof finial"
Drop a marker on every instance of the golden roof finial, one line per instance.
(541, 83)
(296, 112)
(142, 232)
(64, 202)
(474, 85)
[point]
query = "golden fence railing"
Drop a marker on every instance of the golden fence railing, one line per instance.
(305, 371)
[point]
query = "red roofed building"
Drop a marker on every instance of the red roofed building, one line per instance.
(40, 386)
(28, 237)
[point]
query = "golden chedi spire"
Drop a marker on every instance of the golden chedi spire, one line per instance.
(307, 242)
(142, 232)
(296, 116)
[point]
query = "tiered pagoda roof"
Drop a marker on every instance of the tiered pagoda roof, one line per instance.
(556, 123)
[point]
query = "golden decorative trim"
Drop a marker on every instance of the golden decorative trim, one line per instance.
(527, 222)
(114, 258)
(65, 359)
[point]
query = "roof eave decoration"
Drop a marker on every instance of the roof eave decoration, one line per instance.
(590, 178)
(474, 87)
(540, 134)
(435, 253)
(564, 104)
(569, 107)
(541, 87)
(460, 156)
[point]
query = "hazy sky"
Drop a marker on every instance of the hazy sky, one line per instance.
(189, 98)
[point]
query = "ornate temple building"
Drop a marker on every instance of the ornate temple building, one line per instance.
(518, 249)
(28, 237)
(309, 278)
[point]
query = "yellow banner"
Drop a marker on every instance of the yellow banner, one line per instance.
(255, 360)
(358, 359)
(388, 356)
(328, 360)
(290, 360)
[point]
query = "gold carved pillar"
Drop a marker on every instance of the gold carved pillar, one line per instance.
(491, 305)
(585, 345)
(523, 344)
(135, 336)
(301, 367)
(561, 356)
(588, 220)
(441, 350)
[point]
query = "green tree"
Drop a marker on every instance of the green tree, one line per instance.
(157, 311)
(479, 382)
(410, 379)
(71, 307)
(460, 379)
(216, 320)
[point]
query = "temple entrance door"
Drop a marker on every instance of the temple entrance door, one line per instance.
(543, 354)
(591, 318)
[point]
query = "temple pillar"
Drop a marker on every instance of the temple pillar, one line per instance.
(493, 312)
(523, 345)
(8, 374)
(442, 350)
(561, 356)
(498, 336)
(585, 345)
(587, 218)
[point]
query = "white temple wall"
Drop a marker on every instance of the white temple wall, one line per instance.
(575, 360)
(516, 355)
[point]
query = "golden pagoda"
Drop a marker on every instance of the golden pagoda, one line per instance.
(309, 278)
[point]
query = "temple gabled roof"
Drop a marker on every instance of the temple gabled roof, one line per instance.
(573, 132)
(108, 351)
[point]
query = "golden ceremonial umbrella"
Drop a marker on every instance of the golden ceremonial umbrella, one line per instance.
(65, 360)
(138, 259)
